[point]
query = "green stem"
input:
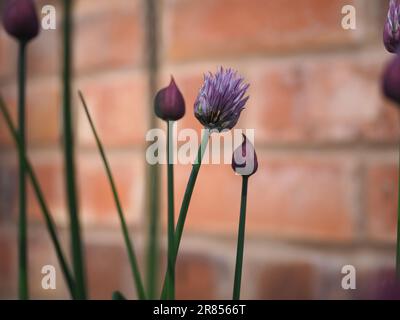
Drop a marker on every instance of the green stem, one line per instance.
(153, 233)
(128, 242)
(153, 171)
(22, 234)
(185, 203)
(39, 195)
(153, 246)
(240, 243)
(76, 242)
(171, 216)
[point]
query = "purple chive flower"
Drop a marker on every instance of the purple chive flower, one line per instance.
(244, 159)
(169, 104)
(391, 31)
(221, 100)
(20, 19)
(391, 80)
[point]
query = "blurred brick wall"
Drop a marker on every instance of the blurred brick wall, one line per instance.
(325, 193)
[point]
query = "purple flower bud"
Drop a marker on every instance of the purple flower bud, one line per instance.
(20, 19)
(244, 159)
(221, 100)
(169, 103)
(391, 31)
(391, 80)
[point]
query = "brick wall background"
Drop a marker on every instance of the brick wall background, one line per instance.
(325, 194)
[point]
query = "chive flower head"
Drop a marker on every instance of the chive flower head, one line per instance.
(221, 99)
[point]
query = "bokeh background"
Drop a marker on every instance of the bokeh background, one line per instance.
(326, 190)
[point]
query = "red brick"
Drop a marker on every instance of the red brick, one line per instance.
(287, 280)
(282, 113)
(42, 103)
(85, 8)
(197, 277)
(44, 54)
(8, 275)
(106, 277)
(41, 253)
(98, 206)
(234, 27)
(381, 200)
(112, 40)
(290, 196)
(333, 99)
(8, 189)
(385, 126)
(8, 56)
(119, 107)
(337, 94)
(49, 172)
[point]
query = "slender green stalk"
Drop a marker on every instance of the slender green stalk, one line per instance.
(171, 215)
(185, 204)
(153, 171)
(76, 242)
(398, 227)
(128, 242)
(22, 223)
(240, 243)
(39, 195)
(153, 231)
